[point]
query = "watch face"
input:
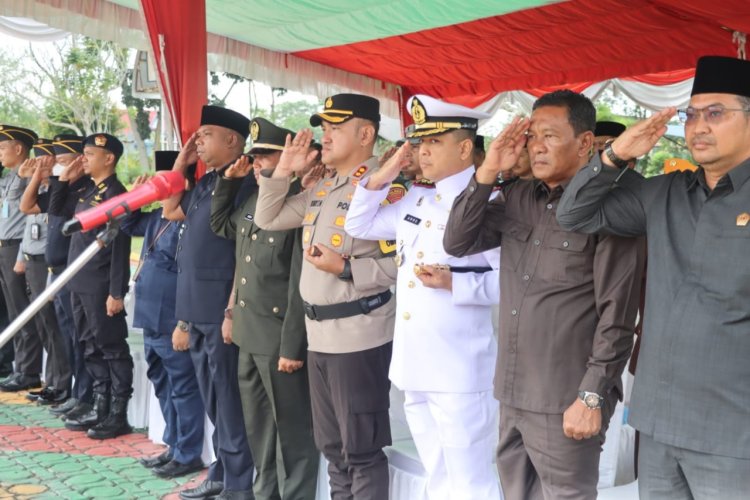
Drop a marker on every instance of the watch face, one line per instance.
(592, 401)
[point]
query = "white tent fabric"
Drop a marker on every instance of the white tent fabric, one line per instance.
(28, 29)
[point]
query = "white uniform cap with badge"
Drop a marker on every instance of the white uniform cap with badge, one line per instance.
(432, 116)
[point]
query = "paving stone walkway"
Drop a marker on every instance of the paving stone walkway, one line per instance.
(39, 458)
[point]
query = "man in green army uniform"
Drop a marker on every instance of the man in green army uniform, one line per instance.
(265, 318)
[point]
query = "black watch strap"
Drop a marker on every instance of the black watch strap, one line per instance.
(346, 274)
(616, 160)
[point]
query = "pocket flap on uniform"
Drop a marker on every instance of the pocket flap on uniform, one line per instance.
(515, 229)
(565, 240)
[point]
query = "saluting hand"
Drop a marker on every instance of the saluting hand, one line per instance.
(43, 168)
(580, 422)
(297, 154)
(388, 172)
(28, 167)
(314, 176)
(140, 180)
(188, 155)
(287, 365)
(239, 168)
(73, 171)
(326, 259)
(504, 151)
(639, 139)
(436, 277)
(114, 305)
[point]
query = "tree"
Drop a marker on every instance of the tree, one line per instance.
(69, 87)
(294, 115)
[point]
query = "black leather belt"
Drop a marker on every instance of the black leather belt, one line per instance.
(347, 309)
(33, 258)
(10, 243)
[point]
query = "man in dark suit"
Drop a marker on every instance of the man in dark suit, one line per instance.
(266, 319)
(205, 267)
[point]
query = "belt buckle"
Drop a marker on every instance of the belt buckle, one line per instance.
(309, 310)
(364, 304)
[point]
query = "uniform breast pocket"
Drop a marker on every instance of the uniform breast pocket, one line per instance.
(267, 246)
(565, 256)
(727, 261)
(514, 240)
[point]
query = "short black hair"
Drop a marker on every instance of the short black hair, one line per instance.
(581, 111)
(466, 133)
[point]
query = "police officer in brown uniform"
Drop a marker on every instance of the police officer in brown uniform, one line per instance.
(345, 285)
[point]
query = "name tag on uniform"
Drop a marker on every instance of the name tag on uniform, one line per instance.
(5, 211)
(412, 219)
(36, 231)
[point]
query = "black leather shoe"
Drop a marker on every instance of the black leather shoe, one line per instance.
(236, 495)
(35, 395)
(206, 490)
(174, 469)
(156, 461)
(78, 409)
(64, 408)
(21, 382)
(53, 397)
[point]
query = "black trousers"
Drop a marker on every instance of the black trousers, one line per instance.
(350, 400)
(58, 373)
(82, 382)
(105, 348)
(216, 369)
(26, 343)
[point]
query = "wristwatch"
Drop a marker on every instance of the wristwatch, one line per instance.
(183, 326)
(346, 274)
(616, 160)
(592, 400)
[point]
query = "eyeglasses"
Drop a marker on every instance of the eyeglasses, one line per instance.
(712, 114)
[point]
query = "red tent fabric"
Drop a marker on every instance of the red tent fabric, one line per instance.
(177, 32)
(569, 43)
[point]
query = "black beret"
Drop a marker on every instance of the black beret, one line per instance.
(722, 75)
(267, 137)
(43, 147)
(105, 141)
(67, 143)
(611, 129)
(223, 117)
(341, 107)
(13, 133)
(164, 160)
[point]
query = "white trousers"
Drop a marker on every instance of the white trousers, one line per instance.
(455, 435)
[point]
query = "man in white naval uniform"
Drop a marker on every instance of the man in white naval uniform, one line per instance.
(443, 347)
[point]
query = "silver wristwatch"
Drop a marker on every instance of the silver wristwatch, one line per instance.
(592, 400)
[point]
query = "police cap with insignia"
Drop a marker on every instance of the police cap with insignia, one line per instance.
(164, 160)
(223, 117)
(432, 116)
(43, 147)
(722, 75)
(342, 107)
(608, 129)
(105, 141)
(67, 143)
(267, 137)
(13, 133)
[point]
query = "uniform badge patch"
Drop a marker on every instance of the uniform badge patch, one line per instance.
(336, 240)
(321, 193)
(306, 237)
(414, 220)
(340, 221)
(360, 172)
(100, 141)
